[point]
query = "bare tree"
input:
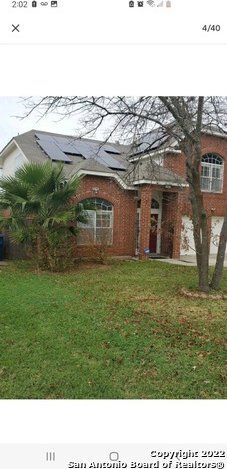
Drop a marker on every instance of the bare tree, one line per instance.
(181, 118)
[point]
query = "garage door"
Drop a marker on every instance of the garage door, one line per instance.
(216, 225)
(187, 240)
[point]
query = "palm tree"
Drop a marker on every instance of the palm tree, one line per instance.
(41, 211)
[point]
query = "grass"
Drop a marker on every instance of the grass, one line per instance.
(120, 331)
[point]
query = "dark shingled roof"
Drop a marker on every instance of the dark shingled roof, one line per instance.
(143, 169)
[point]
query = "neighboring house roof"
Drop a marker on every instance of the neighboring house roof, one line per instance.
(89, 156)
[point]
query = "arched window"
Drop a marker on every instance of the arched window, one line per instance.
(212, 173)
(99, 226)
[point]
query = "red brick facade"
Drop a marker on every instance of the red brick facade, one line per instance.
(214, 202)
(171, 223)
(174, 204)
(146, 216)
(124, 213)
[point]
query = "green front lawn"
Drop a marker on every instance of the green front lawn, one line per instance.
(119, 331)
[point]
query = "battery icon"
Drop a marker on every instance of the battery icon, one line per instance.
(34, 4)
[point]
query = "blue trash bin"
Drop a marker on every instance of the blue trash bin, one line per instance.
(1, 247)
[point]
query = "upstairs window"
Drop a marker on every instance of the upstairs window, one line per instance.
(212, 173)
(99, 226)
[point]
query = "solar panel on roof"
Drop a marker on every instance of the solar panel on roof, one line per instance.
(96, 150)
(68, 147)
(111, 149)
(76, 146)
(56, 148)
(43, 136)
(88, 149)
(109, 161)
(52, 150)
(151, 140)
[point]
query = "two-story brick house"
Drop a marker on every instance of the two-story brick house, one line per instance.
(141, 195)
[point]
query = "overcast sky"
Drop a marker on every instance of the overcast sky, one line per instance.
(10, 125)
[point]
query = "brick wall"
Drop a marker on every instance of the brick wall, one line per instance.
(174, 205)
(215, 203)
(124, 214)
(176, 163)
(145, 220)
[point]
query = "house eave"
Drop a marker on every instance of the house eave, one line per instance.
(9, 147)
(214, 133)
(83, 172)
(159, 183)
(155, 153)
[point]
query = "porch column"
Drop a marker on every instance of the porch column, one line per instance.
(177, 225)
(145, 220)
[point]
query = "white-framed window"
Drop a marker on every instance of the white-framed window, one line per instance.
(212, 167)
(18, 162)
(99, 226)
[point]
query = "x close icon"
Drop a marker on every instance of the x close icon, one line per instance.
(15, 28)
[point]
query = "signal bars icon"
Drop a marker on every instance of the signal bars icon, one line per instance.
(151, 3)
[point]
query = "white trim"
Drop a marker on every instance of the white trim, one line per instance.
(103, 174)
(19, 148)
(157, 211)
(159, 183)
(154, 153)
(138, 220)
(158, 196)
(122, 183)
(7, 149)
(210, 178)
(93, 216)
(215, 134)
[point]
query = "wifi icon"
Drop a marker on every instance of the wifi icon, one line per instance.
(151, 3)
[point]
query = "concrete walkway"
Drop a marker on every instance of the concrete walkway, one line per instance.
(190, 260)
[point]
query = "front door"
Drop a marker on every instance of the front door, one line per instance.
(153, 233)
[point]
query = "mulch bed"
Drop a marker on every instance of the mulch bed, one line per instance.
(202, 295)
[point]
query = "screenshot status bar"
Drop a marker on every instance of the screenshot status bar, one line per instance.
(113, 22)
